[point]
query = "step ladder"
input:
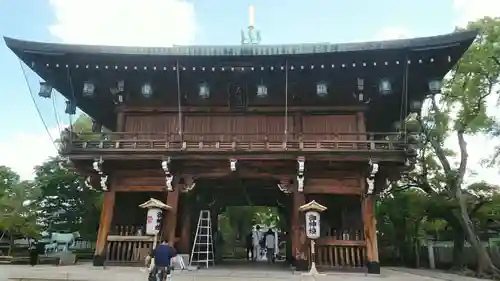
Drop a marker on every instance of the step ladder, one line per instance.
(203, 247)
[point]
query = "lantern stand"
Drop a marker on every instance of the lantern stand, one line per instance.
(153, 219)
(313, 221)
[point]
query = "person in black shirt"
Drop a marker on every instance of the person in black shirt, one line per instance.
(163, 256)
(249, 246)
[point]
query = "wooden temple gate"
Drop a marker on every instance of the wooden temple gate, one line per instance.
(314, 119)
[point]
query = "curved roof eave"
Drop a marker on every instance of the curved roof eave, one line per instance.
(446, 40)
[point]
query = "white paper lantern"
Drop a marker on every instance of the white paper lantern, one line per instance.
(313, 225)
(153, 221)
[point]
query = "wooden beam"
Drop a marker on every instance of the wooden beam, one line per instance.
(250, 109)
(370, 231)
(185, 236)
(170, 222)
(351, 156)
(142, 188)
(104, 227)
(345, 186)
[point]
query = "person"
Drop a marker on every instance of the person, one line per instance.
(249, 246)
(270, 245)
(256, 239)
(33, 252)
(163, 257)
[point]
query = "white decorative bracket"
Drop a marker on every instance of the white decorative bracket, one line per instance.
(232, 164)
(301, 161)
(97, 166)
(104, 182)
(88, 182)
(300, 183)
(370, 180)
(165, 166)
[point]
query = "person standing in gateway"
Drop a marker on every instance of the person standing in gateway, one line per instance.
(256, 238)
(270, 246)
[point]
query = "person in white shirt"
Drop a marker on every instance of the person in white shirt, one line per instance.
(270, 244)
(256, 238)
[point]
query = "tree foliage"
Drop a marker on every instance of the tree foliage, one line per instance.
(459, 111)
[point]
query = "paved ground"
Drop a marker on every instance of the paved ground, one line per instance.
(86, 272)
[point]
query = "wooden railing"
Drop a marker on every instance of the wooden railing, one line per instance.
(154, 142)
(128, 249)
(341, 249)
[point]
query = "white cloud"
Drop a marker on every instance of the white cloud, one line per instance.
(470, 10)
(157, 23)
(24, 150)
(392, 33)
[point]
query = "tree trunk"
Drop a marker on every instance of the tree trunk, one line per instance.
(458, 248)
(484, 263)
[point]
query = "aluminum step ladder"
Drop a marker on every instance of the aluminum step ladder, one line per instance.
(203, 246)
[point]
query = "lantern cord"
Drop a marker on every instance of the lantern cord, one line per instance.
(404, 102)
(70, 80)
(36, 105)
(56, 115)
(179, 98)
(405, 92)
(286, 101)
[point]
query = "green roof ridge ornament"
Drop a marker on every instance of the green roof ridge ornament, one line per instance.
(253, 36)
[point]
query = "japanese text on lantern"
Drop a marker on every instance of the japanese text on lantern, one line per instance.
(313, 225)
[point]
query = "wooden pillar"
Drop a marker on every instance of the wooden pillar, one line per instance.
(299, 240)
(170, 221)
(370, 231)
(104, 227)
(120, 121)
(185, 238)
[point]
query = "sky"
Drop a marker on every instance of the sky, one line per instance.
(25, 143)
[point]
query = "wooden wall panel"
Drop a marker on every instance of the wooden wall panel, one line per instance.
(243, 128)
(152, 126)
(332, 186)
(324, 126)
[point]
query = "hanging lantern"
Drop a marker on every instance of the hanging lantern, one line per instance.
(70, 107)
(361, 84)
(45, 90)
(204, 91)
(261, 91)
(415, 105)
(147, 90)
(435, 86)
(385, 87)
(321, 89)
(88, 89)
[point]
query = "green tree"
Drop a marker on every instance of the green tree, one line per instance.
(470, 83)
(18, 215)
(401, 223)
(66, 204)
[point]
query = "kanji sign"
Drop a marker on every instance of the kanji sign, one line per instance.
(312, 225)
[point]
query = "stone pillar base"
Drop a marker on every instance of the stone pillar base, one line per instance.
(98, 260)
(373, 267)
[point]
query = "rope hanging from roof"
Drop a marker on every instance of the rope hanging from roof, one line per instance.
(179, 99)
(35, 104)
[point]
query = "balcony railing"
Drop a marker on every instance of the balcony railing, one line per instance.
(211, 142)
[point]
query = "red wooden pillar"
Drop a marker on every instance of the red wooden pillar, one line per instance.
(299, 240)
(108, 207)
(370, 231)
(170, 221)
(185, 238)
